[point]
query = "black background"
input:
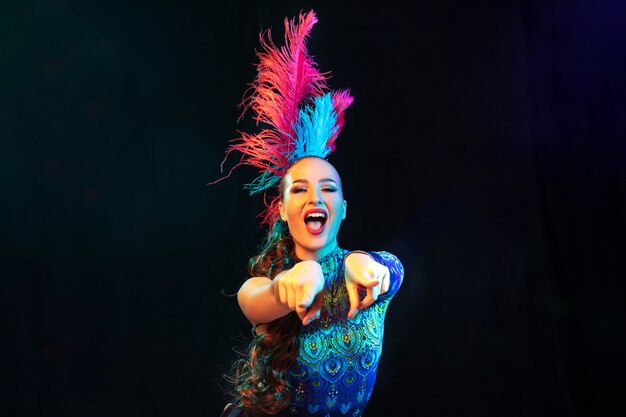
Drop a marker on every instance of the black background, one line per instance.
(485, 148)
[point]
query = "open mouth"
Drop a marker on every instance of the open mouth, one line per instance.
(315, 222)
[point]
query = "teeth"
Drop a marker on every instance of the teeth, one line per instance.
(319, 215)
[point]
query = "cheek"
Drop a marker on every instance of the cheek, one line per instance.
(292, 208)
(338, 204)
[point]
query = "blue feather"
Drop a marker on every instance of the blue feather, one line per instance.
(315, 125)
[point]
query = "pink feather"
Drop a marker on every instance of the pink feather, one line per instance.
(341, 101)
(287, 77)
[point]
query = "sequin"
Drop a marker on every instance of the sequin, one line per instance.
(336, 366)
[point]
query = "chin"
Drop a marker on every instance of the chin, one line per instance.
(314, 247)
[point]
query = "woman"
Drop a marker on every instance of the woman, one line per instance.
(318, 342)
(317, 309)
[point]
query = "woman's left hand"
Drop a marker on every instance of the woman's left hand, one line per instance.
(362, 271)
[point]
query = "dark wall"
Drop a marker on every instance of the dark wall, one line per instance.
(485, 148)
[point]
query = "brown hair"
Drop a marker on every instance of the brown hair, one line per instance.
(257, 378)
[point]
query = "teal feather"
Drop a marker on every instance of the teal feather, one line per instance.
(315, 125)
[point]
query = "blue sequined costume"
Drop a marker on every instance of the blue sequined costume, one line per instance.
(336, 368)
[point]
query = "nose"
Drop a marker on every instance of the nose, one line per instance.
(315, 196)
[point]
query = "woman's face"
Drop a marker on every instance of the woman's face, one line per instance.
(312, 204)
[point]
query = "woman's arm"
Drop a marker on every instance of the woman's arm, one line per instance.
(257, 302)
(380, 274)
(396, 271)
(299, 289)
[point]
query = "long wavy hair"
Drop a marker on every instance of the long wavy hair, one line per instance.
(257, 379)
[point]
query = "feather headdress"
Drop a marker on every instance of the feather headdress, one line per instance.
(289, 95)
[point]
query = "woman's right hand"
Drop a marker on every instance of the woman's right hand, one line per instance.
(301, 288)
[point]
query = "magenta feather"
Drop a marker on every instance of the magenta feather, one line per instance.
(341, 101)
(287, 78)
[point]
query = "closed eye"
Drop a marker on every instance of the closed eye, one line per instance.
(327, 189)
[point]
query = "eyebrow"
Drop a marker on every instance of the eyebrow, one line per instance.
(322, 180)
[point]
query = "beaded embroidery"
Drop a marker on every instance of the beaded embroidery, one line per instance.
(335, 372)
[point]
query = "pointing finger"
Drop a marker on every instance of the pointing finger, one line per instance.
(301, 311)
(353, 295)
(368, 300)
(314, 310)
